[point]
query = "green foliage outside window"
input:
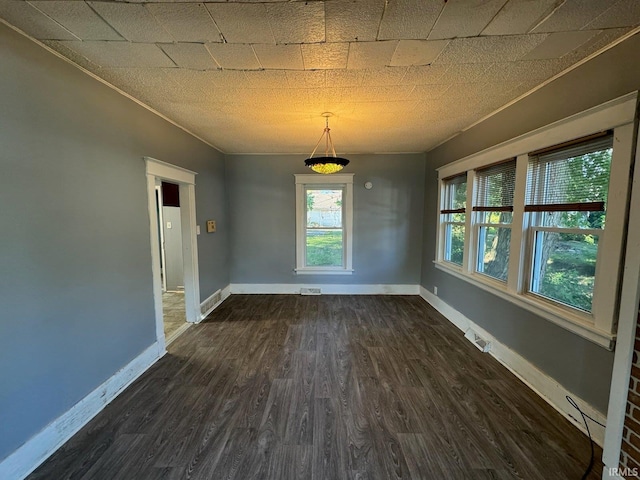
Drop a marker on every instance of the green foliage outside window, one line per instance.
(568, 264)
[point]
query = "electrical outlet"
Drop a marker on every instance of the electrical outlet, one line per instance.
(211, 226)
(435, 290)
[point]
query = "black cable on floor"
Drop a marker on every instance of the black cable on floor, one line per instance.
(586, 425)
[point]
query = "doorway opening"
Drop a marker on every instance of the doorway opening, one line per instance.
(174, 316)
(172, 216)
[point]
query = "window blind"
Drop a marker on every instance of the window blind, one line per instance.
(495, 186)
(574, 177)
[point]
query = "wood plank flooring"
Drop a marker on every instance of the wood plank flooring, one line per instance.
(326, 387)
(173, 312)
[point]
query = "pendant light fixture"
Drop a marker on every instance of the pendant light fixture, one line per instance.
(329, 163)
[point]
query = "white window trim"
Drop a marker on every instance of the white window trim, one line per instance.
(342, 179)
(600, 325)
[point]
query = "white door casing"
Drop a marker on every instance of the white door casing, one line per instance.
(158, 170)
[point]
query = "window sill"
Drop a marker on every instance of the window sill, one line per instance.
(565, 319)
(323, 271)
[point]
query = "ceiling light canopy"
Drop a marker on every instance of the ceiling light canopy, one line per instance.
(328, 163)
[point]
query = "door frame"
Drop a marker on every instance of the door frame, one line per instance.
(159, 170)
(163, 261)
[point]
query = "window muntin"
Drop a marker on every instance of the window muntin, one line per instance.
(453, 217)
(493, 211)
(566, 199)
(324, 245)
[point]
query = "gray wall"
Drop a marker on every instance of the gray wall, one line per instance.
(387, 219)
(578, 364)
(75, 257)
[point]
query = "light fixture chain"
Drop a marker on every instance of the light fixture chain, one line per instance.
(330, 142)
(326, 164)
(317, 145)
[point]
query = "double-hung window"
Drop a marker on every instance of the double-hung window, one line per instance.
(324, 218)
(454, 201)
(493, 211)
(566, 200)
(541, 220)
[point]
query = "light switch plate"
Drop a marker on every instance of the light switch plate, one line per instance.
(211, 226)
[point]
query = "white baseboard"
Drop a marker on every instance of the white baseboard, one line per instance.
(38, 448)
(327, 289)
(224, 294)
(226, 291)
(545, 386)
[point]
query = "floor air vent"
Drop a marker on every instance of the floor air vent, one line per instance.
(211, 302)
(479, 342)
(310, 291)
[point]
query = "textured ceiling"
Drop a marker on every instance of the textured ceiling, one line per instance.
(255, 76)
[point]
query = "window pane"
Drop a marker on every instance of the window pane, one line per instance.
(579, 174)
(493, 251)
(324, 246)
(454, 217)
(572, 219)
(495, 185)
(455, 192)
(324, 208)
(564, 268)
(454, 243)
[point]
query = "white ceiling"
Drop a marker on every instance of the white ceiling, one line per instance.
(255, 76)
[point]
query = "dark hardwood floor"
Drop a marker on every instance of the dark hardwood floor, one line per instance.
(326, 387)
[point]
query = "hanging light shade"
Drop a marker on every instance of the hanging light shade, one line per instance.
(330, 162)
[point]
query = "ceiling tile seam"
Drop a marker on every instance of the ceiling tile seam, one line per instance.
(384, 9)
(596, 19)
(79, 54)
(110, 85)
(348, 55)
(324, 11)
(535, 23)
(436, 21)
(492, 19)
(394, 53)
(544, 83)
(222, 38)
(256, 55)
(413, 89)
(158, 22)
(211, 55)
(53, 20)
(159, 47)
(546, 17)
(592, 37)
(105, 21)
(404, 74)
(266, 13)
(435, 60)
